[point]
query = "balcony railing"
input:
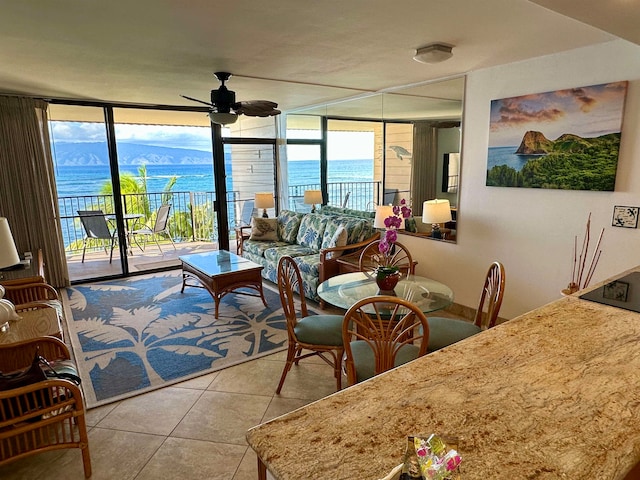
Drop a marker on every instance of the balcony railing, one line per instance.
(192, 217)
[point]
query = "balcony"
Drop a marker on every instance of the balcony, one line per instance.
(191, 224)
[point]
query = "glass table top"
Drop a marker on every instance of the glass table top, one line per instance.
(218, 262)
(344, 290)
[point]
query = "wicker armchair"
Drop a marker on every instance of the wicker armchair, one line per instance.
(44, 416)
(30, 292)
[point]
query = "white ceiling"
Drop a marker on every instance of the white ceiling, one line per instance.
(296, 53)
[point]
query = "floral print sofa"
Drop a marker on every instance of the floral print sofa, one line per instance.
(314, 240)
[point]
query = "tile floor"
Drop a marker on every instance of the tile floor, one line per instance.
(194, 429)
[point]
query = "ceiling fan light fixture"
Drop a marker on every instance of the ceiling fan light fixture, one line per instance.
(433, 53)
(223, 118)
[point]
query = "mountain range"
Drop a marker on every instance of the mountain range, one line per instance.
(86, 154)
(535, 143)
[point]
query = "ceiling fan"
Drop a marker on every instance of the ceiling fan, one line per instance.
(225, 109)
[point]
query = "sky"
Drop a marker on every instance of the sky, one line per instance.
(585, 111)
(340, 145)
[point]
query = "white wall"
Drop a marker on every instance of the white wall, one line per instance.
(532, 231)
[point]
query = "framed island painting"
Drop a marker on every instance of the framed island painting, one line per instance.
(566, 139)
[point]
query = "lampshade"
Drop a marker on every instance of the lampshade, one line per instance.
(312, 197)
(223, 118)
(382, 212)
(8, 252)
(433, 53)
(264, 200)
(436, 211)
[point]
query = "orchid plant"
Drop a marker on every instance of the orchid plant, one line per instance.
(392, 223)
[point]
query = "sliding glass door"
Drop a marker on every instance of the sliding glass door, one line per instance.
(84, 179)
(136, 188)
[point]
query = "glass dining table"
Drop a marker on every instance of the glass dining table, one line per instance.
(344, 290)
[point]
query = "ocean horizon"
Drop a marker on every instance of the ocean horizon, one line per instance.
(88, 180)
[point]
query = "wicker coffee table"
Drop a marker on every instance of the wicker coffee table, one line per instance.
(221, 272)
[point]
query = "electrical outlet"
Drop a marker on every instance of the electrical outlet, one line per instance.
(28, 256)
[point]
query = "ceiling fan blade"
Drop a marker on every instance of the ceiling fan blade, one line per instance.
(256, 108)
(199, 101)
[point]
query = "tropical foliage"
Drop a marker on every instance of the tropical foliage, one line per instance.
(573, 163)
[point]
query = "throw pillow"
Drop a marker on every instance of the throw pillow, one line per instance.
(339, 239)
(264, 229)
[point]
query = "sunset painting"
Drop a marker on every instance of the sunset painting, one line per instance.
(566, 139)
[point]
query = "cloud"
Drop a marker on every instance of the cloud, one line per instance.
(517, 111)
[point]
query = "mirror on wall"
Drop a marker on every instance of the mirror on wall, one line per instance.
(416, 145)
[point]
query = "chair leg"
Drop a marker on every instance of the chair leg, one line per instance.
(155, 238)
(291, 355)
(84, 249)
(337, 370)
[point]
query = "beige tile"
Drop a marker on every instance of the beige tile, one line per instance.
(157, 412)
(94, 415)
(182, 459)
(198, 383)
(222, 417)
(280, 405)
(258, 377)
(248, 469)
(114, 454)
(309, 381)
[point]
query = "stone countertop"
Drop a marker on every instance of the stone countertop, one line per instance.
(554, 393)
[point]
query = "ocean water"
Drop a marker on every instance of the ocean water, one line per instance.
(507, 156)
(88, 180)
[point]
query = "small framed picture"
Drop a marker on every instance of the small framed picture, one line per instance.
(616, 291)
(626, 217)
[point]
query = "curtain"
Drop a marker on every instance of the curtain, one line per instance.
(425, 151)
(28, 195)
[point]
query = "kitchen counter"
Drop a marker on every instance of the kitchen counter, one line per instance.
(553, 393)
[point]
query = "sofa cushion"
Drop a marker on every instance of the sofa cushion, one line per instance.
(258, 247)
(288, 225)
(358, 229)
(339, 239)
(311, 230)
(332, 210)
(264, 229)
(274, 254)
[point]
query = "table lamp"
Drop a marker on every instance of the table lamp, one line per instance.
(264, 200)
(436, 212)
(382, 212)
(9, 257)
(312, 197)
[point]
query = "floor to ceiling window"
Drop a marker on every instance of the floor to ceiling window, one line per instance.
(119, 180)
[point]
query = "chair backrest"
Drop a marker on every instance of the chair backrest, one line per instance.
(400, 258)
(95, 224)
(248, 210)
(491, 297)
(162, 217)
(386, 324)
(290, 282)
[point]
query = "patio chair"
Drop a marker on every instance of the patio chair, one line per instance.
(160, 226)
(244, 223)
(96, 228)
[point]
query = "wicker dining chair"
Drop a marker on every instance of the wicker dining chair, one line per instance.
(447, 331)
(320, 334)
(400, 257)
(380, 333)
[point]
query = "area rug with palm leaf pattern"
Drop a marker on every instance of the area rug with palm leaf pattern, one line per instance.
(130, 336)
